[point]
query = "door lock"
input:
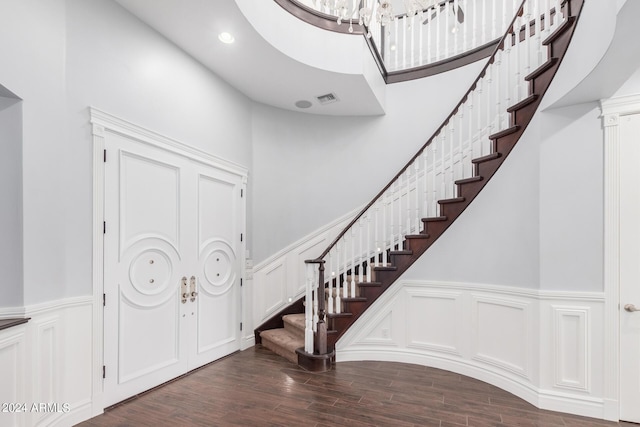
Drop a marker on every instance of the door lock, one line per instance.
(192, 284)
(183, 289)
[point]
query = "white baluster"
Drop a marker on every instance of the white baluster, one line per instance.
(376, 231)
(516, 60)
(471, 155)
(527, 45)
(452, 138)
(362, 256)
(330, 287)
(425, 157)
(345, 284)
(315, 303)
(397, 48)
(461, 173)
(489, 100)
(434, 188)
(538, 30)
(447, 25)
(483, 37)
(429, 31)
(438, 33)
(417, 198)
(455, 29)
(480, 127)
(494, 19)
(505, 13)
(443, 188)
(474, 16)
(465, 30)
(547, 18)
(413, 41)
(420, 42)
(507, 76)
(385, 206)
(353, 262)
(404, 23)
(408, 217)
(369, 247)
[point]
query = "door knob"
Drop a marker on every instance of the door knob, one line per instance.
(631, 308)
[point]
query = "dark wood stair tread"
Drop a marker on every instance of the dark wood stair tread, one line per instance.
(354, 299)
(507, 131)
(528, 100)
(369, 284)
(434, 219)
(541, 69)
(403, 252)
(338, 315)
(385, 268)
(452, 200)
(558, 31)
(416, 236)
(486, 158)
(469, 180)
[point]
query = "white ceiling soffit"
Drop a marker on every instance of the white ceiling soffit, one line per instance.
(281, 71)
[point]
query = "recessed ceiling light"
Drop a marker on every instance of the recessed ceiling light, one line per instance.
(303, 104)
(226, 38)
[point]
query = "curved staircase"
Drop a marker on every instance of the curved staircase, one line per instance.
(433, 189)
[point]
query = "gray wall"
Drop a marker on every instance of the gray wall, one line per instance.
(11, 285)
(61, 57)
(309, 170)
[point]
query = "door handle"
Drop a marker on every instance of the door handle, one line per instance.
(192, 284)
(183, 289)
(631, 308)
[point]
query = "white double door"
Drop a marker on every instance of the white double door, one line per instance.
(172, 265)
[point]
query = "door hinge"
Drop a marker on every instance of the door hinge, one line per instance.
(241, 237)
(241, 192)
(240, 282)
(104, 227)
(104, 300)
(104, 156)
(104, 371)
(240, 325)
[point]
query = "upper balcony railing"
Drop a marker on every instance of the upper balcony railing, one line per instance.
(416, 38)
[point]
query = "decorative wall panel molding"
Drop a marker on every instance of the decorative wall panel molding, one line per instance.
(538, 345)
(46, 365)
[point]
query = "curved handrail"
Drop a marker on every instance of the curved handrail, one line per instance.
(500, 45)
(377, 44)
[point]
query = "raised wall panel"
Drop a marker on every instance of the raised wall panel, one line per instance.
(433, 321)
(571, 335)
(272, 288)
(12, 378)
(381, 331)
(503, 333)
(46, 358)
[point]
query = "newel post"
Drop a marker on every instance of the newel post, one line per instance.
(321, 331)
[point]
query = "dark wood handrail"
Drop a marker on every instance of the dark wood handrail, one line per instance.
(482, 73)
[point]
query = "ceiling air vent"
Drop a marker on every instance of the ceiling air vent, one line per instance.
(327, 99)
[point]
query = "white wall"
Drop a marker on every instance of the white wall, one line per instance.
(309, 170)
(11, 201)
(61, 57)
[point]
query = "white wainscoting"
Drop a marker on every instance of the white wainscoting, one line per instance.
(539, 345)
(280, 279)
(48, 360)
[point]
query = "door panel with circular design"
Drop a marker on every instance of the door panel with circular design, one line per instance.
(172, 265)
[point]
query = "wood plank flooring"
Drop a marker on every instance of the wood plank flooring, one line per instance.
(258, 388)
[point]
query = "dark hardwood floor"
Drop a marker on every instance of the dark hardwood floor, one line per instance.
(258, 388)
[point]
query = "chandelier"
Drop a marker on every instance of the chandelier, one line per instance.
(363, 10)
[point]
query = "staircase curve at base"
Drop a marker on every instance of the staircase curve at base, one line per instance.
(467, 150)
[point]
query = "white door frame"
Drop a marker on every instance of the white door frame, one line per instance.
(102, 123)
(612, 110)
